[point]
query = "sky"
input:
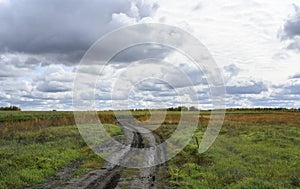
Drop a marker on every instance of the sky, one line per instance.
(255, 44)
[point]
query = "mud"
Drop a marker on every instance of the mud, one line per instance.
(113, 175)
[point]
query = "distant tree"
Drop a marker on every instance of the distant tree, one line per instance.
(171, 109)
(10, 108)
(184, 108)
(193, 108)
(178, 108)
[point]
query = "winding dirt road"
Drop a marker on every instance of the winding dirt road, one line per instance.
(116, 176)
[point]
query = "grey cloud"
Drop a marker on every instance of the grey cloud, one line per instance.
(54, 79)
(7, 71)
(295, 43)
(232, 71)
(293, 89)
(145, 9)
(40, 97)
(20, 61)
(63, 28)
(292, 25)
(153, 85)
(183, 76)
(29, 98)
(281, 97)
(53, 87)
(254, 88)
(29, 62)
(268, 102)
(147, 97)
(103, 96)
(9, 86)
(296, 76)
(10, 68)
(40, 104)
(35, 33)
(140, 52)
(4, 96)
(291, 30)
(198, 7)
(170, 93)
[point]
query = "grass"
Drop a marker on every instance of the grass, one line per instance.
(11, 116)
(41, 117)
(30, 157)
(253, 150)
(246, 154)
(21, 116)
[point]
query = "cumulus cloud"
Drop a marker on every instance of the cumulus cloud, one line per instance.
(12, 67)
(53, 87)
(140, 52)
(251, 87)
(10, 71)
(153, 85)
(40, 90)
(289, 87)
(296, 76)
(64, 28)
(55, 79)
(292, 25)
(38, 38)
(291, 30)
(41, 43)
(61, 26)
(293, 89)
(231, 71)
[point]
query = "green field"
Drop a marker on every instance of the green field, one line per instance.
(29, 157)
(253, 150)
(11, 116)
(243, 156)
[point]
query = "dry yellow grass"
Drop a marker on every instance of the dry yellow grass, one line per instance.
(285, 118)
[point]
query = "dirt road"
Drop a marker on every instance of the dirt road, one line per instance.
(117, 176)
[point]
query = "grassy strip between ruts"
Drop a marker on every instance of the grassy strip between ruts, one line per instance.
(29, 157)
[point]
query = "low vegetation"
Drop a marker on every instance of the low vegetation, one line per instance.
(254, 149)
(29, 157)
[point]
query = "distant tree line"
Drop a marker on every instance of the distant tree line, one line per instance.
(178, 108)
(192, 108)
(183, 108)
(10, 108)
(265, 109)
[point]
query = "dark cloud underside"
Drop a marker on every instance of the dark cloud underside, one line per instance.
(291, 30)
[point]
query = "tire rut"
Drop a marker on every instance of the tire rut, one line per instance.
(112, 176)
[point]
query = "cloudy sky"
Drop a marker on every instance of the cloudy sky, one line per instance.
(255, 44)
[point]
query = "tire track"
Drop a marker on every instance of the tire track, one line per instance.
(111, 175)
(147, 176)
